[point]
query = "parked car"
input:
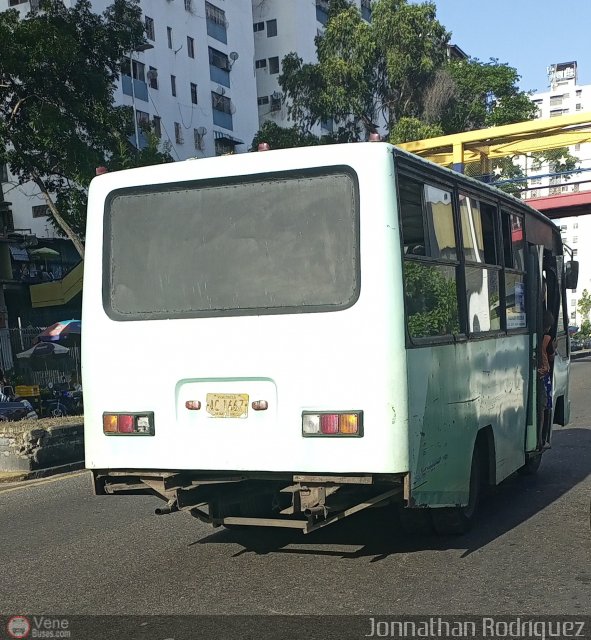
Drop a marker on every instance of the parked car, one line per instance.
(576, 345)
(587, 343)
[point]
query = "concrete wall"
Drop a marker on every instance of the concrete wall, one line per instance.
(35, 448)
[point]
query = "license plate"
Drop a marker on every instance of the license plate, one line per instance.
(227, 405)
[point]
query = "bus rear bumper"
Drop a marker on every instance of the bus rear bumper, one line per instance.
(291, 500)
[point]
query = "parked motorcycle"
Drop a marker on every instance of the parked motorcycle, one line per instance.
(62, 402)
(13, 408)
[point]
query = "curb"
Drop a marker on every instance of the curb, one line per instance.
(577, 355)
(21, 476)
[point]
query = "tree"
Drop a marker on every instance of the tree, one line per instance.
(486, 95)
(584, 307)
(365, 71)
(396, 71)
(58, 68)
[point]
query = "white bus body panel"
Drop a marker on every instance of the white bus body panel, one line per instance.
(352, 359)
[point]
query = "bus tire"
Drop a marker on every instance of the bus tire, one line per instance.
(458, 520)
(531, 466)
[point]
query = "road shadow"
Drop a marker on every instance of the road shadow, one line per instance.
(377, 533)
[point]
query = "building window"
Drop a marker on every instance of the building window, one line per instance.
(41, 211)
(3, 173)
(573, 302)
(557, 112)
(178, 133)
(261, 64)
(219, 59)
(14, 3)
(258, 26)
(271, 28)
(189, 5)
(276, 102)
(579, 106)
(139, 69)
(274, 65)
(173, 85)
(575, 225)
(143, 119)
(193, 93)
(149, 22)
(169, 36)
(216, 22)
(220, 102)
(577, 147)
(190, 47)
(157, 123)
(579, 93)
(153, 77)
(262, 100)
(575, 252)
(575, 239)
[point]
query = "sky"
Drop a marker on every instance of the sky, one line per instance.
(528, 34)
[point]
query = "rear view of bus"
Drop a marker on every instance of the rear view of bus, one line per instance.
(234, 362)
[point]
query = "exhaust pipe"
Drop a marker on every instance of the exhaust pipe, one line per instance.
(169, 508)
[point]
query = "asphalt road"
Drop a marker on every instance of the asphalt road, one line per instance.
(63, 551)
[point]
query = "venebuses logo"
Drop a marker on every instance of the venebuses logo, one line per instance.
(18, 627)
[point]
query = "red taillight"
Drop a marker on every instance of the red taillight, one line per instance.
(125, 424)
(129, 423)
(329, 423)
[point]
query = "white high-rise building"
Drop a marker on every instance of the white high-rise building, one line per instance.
(566, 96)
(195, 84)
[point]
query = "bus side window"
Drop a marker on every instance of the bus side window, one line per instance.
(430, 265)
(514, 255)
(483, 290)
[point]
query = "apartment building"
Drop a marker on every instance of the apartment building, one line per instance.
(566, 96)
(194, 82)
(280, 27)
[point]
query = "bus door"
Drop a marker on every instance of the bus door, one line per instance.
(535, 313)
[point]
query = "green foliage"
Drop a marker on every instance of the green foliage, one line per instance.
(486, 95)
(58, 68)
(558, 160)
(408, 129)
(508, 171)
(282, 137)
(396, 70)
(584, 306)
(585, 330)
(432, 301)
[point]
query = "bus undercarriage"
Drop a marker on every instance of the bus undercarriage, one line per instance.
(297, 501)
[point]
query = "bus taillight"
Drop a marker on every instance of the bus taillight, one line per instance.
(332, 423)
(139, 424)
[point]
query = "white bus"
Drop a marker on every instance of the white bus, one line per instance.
(287, 337)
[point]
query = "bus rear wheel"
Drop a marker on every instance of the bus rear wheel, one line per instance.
(458, 520)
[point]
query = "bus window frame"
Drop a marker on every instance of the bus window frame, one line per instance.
(466, 190)
(426, 177)
(318, 171)
(505, 207)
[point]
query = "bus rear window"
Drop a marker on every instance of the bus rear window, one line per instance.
(271, 244)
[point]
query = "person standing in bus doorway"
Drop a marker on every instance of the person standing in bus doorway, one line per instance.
(545, 374)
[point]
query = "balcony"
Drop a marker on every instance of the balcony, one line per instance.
(223, 119)
(140, 88)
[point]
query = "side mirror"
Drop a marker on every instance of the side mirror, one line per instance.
(571, 277)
